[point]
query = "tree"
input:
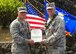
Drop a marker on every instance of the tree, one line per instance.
(8, 11)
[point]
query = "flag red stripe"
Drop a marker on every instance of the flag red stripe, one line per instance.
(35, 18)
(36, 23)
(37, 27)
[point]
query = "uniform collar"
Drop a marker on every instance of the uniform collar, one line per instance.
(19, 20)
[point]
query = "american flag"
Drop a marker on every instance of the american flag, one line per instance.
(34, 17)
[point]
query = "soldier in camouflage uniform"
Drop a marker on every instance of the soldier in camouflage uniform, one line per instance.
(19, 29)
(55, 32)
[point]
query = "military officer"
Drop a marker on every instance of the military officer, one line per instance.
(55, 32)
(20, 32)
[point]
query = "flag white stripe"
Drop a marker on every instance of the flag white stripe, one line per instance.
(35, 16)
(32, 20)
(37, 25)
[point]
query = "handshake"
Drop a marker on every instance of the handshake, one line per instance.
(31, 42)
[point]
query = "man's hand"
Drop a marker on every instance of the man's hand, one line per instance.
(31, 42)
(43, 41)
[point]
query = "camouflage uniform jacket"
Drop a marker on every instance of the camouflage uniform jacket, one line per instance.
(55, 35)
(20, 33)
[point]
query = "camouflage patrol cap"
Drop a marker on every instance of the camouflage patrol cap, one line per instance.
(22, 9)
(50, 5)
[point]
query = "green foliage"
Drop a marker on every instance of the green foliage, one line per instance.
(8, 11)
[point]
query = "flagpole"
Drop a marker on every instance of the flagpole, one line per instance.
(47, 1)
(25, 1)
